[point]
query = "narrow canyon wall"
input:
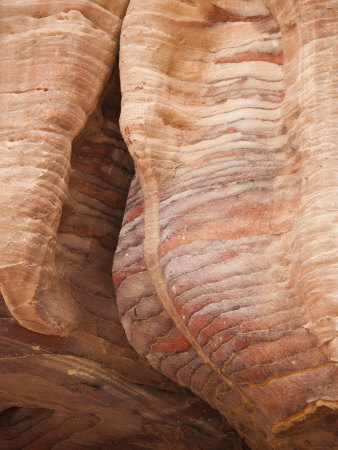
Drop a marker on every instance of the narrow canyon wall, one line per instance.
(226, 270)
(225, 323)
(68, 377)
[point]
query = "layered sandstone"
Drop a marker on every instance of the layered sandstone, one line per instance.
(226, 270)
(226, 273)
(55, 58)
(62, 204)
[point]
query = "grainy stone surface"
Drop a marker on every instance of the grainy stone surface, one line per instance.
(77, 392)
(88, 389)
(226, 270)
(55, 58)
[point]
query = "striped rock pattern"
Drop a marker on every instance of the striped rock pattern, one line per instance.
(226, 269)
(56, 57)
(88, 389)
(73, 393)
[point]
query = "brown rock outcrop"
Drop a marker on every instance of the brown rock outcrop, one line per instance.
(55, 58)
(226, 270)
(89, 389)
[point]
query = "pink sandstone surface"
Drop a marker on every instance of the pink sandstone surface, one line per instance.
(225, 271)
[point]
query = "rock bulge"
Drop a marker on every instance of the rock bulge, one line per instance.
(224, 271)
(226, 268)
(56, 57)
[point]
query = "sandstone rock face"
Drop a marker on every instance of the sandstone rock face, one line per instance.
(89, 389)
(226, 269)
(55, 58)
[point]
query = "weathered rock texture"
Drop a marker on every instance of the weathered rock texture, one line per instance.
(226, 270)
(66, 393)
(86, 388)
(55, 58)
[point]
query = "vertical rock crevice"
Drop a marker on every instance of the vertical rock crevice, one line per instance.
(68, 377)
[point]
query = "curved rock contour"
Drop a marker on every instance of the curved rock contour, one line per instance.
(55, 58)
(226, 270)
(88, 389)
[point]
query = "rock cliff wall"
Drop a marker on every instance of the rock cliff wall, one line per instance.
(225, 270)
(68, 377)
(225, 275)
